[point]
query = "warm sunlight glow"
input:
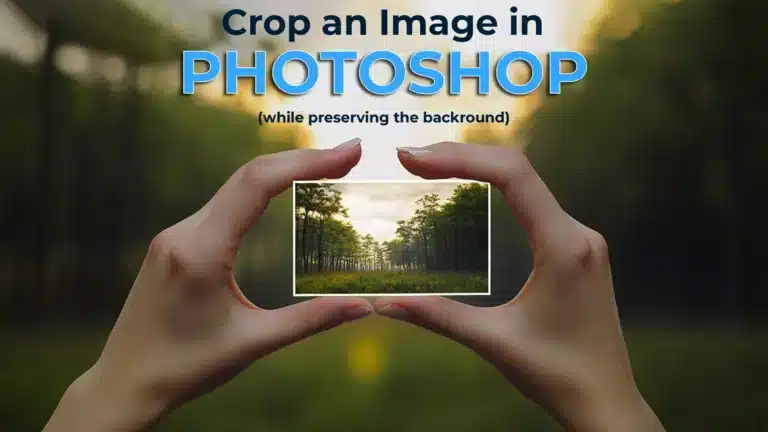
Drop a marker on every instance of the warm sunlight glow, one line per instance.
(364, 358)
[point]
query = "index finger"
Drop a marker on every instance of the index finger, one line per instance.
(239, 203)
(506, 168)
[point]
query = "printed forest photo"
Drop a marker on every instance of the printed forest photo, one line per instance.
(390, 238)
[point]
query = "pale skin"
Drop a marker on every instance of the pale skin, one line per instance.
(186, 328)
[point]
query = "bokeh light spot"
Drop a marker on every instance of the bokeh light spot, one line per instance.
(364, 359)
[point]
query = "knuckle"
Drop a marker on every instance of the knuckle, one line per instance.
(515, 159)
(253, 173)
(312, 325)
(598, 245)
(307, 326)
(579, 254)
(167, 250)
(162, 245)
(586, 250)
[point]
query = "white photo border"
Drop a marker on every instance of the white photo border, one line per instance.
(416, 181)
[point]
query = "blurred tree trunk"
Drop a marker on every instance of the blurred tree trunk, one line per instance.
(33, 300)
(735, 143)
(128, 200)
(736, 140)
(85, 283)
(320, 256)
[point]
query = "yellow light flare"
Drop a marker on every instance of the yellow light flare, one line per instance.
(364, 359)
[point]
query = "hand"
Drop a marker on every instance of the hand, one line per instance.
(186, 328)
(559, 341)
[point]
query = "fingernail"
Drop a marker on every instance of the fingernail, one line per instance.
(348, 145)
(413, 151)
(393, 311)
(356, 313)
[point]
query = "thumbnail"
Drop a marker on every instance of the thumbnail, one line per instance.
(379, 238)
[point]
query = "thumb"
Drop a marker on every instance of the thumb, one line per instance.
(285, 326)
(457, 321)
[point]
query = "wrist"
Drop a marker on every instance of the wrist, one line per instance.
(608, 412)
(93, 403)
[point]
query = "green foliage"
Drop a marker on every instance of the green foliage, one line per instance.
(448, 237)
(124, 167)
(115, 27)
(390, 283)
(318, 233)
(660, 147)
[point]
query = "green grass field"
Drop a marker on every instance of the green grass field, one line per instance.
(379, 375)
(390, 283)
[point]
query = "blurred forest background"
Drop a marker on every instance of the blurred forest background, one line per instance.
(662, 148)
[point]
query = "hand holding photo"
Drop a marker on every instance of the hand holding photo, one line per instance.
(391, 238)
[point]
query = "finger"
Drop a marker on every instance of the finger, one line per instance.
(506, 168)
(460, 322)
(242, 200)
(282, 327)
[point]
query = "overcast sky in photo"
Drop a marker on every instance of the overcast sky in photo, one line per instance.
(375, 208)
